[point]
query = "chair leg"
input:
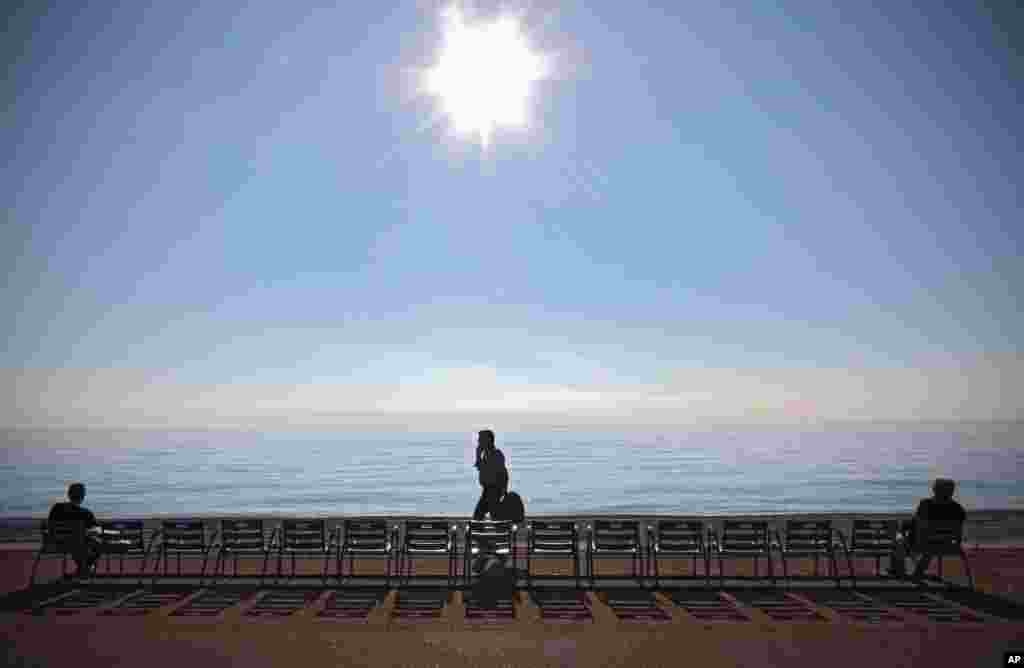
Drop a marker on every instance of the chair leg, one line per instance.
(771, 569)
(785, 570)
(967, 567)
(35, 565)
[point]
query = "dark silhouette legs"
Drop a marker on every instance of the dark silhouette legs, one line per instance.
(489, 499)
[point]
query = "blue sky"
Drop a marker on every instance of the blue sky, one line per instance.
(245, 195)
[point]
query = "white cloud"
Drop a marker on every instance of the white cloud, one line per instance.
(981, 390)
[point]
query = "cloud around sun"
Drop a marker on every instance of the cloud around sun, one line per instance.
(484, 74)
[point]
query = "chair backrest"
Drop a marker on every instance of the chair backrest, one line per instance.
(489, 536)
(183, 534)
(304, 535)
(366, 534)
(553, 536)
(63, 535)
(616, 535)
(873, 535)
(130, 536)
(242, 535)
(680, 536)
(808, 535)
(745, 536)
(428, 534)
(938, 536)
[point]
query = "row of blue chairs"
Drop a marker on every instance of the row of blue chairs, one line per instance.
(643, 544)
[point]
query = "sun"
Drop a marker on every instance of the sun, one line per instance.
(484, 74)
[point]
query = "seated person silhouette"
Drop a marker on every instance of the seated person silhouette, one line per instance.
(493, 476)
(88, 551)
(940, 507)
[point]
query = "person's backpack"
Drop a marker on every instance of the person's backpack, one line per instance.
(511, 508)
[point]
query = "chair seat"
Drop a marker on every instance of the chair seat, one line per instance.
(174, 547)
(427, 550)
(123, 547)
(681, 549)
(553, 550)
(368, 549)
(613, 550)
(244, 549)
(475, 549)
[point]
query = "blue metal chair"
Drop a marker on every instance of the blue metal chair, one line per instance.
(552, 538)
(742, 539)
(182, 537)
(427, 538)
(60, 539)
(306, 538)
(614, 538)
(243, 538)
(809, 538)
(678, 538)
(367, 537)
(488, 537)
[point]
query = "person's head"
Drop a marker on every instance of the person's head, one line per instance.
(943, 489)
(76, 493)
(485, 439)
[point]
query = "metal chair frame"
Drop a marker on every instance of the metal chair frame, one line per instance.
(61, 538)
(367, 537)
(425, 538)
(941, 538)
(678, 538)
(809, 538)
(243, 538)
(614, 538)
(552, 538)
(870, 538)
(126, 538)
(742, 539)
(306, 537)
(488, 537)
(187, 536)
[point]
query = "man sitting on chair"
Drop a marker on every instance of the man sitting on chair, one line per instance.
(941, 507)
(87, 553)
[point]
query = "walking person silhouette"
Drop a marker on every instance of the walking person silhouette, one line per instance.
(493, 476)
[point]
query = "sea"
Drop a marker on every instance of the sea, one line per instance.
(718, 470)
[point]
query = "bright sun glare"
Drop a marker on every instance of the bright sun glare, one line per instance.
(484, 74)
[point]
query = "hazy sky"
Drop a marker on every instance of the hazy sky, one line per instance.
(242, 213)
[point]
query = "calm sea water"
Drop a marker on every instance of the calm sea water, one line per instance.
(876, 469)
